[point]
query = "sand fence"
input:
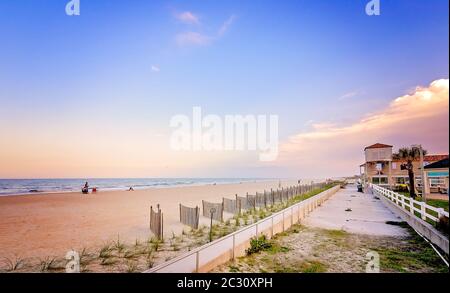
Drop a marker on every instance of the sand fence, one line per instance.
(189, 216)
(214, 210)
(231, 206)
(156, 222)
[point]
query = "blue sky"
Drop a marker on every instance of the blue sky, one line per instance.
(307, 61)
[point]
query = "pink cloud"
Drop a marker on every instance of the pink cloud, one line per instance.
(188, 17)
(330, 150)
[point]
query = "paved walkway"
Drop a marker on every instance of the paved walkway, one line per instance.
(355, 212)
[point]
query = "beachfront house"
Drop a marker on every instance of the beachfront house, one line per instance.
(436, 177)
(381, 168)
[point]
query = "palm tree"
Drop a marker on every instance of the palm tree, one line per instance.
(409, 154)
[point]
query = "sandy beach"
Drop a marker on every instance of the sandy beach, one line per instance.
(52, 224)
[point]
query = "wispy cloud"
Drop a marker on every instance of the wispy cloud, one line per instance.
(349, 95)
(419, 117)
(192, 38)
(188, 17)
(226, 25)
(155, 68)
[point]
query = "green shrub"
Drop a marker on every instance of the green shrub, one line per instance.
(258, 244)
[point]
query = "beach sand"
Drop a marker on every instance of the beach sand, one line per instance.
(51, 224)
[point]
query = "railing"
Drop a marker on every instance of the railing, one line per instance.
(217, 252)
(411, 205)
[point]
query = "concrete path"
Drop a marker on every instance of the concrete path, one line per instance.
(355, 212)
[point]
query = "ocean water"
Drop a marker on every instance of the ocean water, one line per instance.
(36, 186)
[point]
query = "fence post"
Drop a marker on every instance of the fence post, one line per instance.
(197, 216)
(292, 216)
(150, 222)
(271, 233)
(265, 201)
(162, 226)
(234, 246)
(440, 211)
(411, 206)
(196, 261)
(423, 211)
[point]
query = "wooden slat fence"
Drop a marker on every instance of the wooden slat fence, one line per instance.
(242, 203)
(189, 216)
(156, 222)
(260, 200)
(230, 206)
(218, 207)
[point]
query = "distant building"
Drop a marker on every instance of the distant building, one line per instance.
(382, 169)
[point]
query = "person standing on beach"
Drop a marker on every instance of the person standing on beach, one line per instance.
(85, 189)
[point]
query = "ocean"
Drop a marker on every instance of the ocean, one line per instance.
(36, 186)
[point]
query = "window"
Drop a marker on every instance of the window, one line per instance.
(437, 182)
(379, 180)
(418, 181)
(394, 165)
(401, 180)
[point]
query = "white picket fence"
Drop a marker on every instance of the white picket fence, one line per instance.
(413, 205)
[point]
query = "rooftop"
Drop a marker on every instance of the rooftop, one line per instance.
(427, 158)
(439, 164)
(378, 146)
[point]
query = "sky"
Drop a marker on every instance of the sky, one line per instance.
(92, 95)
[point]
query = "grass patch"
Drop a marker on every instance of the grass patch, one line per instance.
(47, 264)
(233, 269)
(118, 245)
(108, 261)
(276, 248)
(132, 267)
(335, 233)
(438, 203)
(312, 266)
(14, 264)
(105, 252)
(416, 256)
